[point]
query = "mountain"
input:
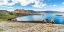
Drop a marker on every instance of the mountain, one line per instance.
(23, 11)
(31, 11)
(20, 11)
(52, 11)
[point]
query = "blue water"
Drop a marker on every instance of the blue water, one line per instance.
(57, 19)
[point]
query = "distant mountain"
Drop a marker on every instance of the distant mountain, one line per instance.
(23, 11)
(52, 12)
(20, 11)
(31, 11)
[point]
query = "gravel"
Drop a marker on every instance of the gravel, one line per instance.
(30, 27)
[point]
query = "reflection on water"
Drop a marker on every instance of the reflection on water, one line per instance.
(31, 18)
(25, 18)
(61, 20)
(57, 19)
(38, 17)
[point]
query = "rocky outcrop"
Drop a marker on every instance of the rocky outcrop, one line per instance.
(51, 21)
(44, 21)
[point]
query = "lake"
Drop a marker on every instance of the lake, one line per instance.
(49, 16)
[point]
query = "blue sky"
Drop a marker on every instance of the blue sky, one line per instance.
(37, 5)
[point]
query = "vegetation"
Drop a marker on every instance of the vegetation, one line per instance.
(6, 14)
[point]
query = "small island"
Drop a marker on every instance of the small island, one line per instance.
(59, 15)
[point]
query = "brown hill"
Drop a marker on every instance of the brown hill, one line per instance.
(20, 11)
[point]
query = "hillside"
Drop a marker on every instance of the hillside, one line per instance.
(4, 14)
(21, 11)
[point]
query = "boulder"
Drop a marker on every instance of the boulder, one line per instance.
(44, 21)
(9, 19)
(51, 21)
(14, 19)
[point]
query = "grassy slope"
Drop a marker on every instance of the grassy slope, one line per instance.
(6, 15)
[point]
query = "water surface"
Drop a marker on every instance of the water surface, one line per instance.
(57, 19)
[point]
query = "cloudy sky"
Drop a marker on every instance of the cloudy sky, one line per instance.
(37, 5)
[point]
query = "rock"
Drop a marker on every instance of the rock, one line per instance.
(51, 21)
(9, 19)
(14, 19)
(44, 21)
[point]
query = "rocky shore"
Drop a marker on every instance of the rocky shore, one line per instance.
(30, 27)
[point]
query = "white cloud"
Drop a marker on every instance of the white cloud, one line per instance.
(63, 3)
(45, 7)
(37, 3)
(62, 9)
(3, 2)
(54, 5)
(12, 3)
(3, 6)
(9, 7)
(26, 2)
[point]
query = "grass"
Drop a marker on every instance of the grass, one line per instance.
(4, 15)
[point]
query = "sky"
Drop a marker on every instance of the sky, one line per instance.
(36, 5)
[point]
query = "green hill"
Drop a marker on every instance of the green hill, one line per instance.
(6, 14)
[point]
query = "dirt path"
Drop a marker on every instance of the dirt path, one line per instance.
(30, 27)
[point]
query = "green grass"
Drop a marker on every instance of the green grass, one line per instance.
(6, 15)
